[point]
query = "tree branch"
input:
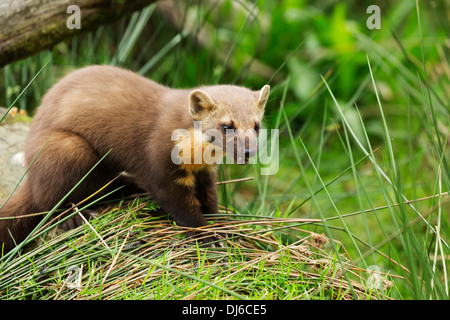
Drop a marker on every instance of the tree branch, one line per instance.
(29, 26)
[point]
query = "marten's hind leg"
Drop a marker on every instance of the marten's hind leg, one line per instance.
(62, 163)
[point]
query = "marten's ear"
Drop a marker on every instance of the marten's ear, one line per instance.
(263, 96)
(199, 102)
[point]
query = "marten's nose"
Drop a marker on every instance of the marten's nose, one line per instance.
(249, 153)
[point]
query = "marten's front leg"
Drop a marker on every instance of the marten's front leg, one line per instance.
(206, 191)
(178, 198)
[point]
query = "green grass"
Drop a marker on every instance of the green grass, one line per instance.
(133, 255)
(364, 128)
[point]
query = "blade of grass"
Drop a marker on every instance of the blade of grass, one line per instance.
(236, 40)
(24, 90)
(263, 190)
(322, 217)
(358, 187)
(330, 198)
(132, 33)
(333, 180)
(164, 50)
(439, 146)
(385, 126)
(371, 158)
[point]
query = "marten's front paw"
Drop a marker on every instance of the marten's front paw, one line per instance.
(77, 219)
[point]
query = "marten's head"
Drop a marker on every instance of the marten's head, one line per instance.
(230, 118)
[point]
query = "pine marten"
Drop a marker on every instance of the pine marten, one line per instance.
(101, 109)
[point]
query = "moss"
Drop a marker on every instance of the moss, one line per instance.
(14, 118)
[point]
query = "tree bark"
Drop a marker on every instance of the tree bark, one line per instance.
(29, 26)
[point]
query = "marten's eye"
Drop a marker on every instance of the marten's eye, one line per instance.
(226, 127)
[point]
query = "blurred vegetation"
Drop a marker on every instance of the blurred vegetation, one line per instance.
(291, 45)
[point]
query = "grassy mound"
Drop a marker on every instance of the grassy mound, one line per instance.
(131, 252)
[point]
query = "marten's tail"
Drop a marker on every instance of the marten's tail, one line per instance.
(15, 228)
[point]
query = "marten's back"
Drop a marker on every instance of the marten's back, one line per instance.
(109, 107)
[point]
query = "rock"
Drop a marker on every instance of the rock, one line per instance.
(13, 133)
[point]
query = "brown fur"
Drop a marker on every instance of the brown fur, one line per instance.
(101, 108)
